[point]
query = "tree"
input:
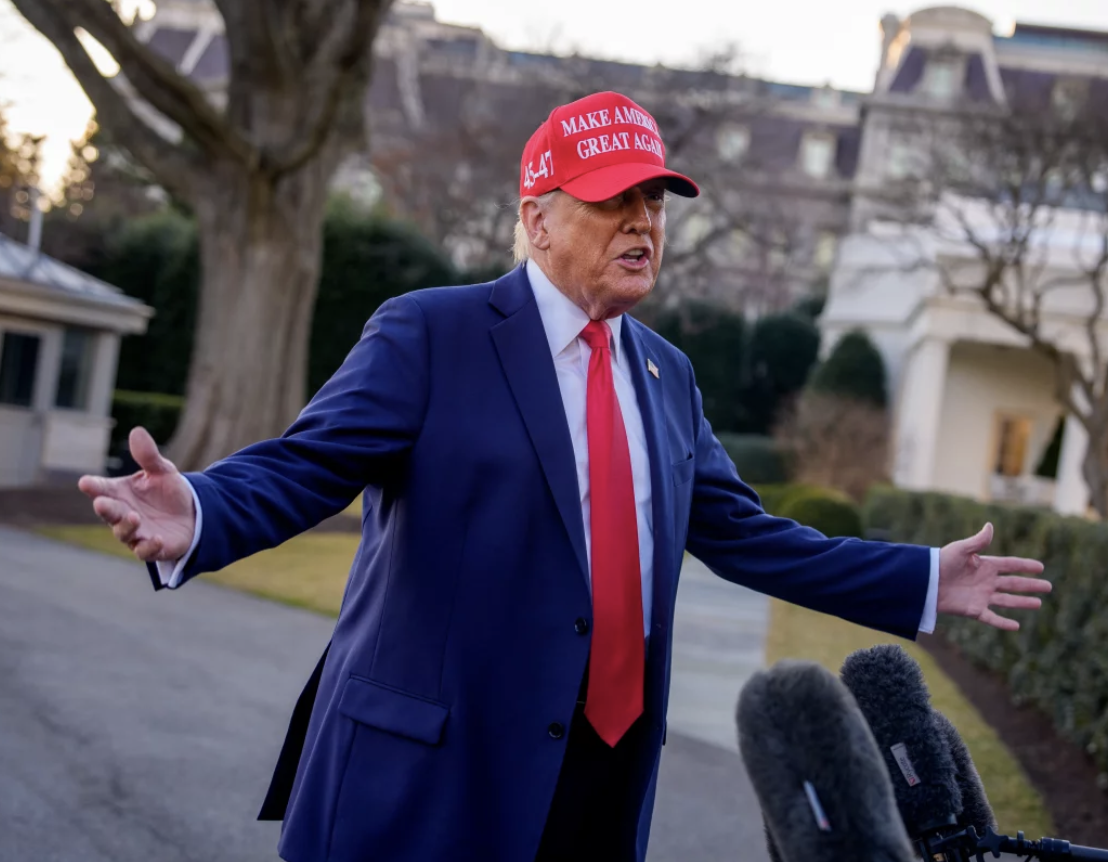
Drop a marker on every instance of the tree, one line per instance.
(1010, 208)
(20, 157)
(254, 172)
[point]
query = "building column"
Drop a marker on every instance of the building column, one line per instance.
(919, 414)
(104, 359)
(1071, 494)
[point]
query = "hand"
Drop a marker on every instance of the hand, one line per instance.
(970, 583)
(150, 511)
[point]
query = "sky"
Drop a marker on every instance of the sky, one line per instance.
(799, 41)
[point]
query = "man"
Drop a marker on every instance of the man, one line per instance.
(533, 464)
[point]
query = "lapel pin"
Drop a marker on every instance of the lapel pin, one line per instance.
(652, 368)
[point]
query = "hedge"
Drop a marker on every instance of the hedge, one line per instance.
(830, 512)
(155, 411)
(1058, 660)
(756, 457)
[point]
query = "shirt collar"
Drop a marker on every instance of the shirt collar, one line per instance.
(562, 318)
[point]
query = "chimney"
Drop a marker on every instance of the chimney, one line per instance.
(34, 233)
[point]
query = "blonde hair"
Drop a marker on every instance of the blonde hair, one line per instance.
(521, 244)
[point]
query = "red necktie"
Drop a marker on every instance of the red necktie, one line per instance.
(616, 663)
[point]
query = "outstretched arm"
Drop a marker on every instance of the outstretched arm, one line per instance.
(356, 431)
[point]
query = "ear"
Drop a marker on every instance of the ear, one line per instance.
(534, 217)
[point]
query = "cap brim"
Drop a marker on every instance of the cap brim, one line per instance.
(607, 182)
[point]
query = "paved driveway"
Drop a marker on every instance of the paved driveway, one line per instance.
(141, 727)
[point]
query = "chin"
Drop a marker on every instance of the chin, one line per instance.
(630, 287)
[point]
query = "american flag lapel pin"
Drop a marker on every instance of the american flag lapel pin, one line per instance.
(652, 368)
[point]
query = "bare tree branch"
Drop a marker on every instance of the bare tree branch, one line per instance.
(153, 78)
(339, 59)
(173, 166)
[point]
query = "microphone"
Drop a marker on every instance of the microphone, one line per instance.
(823, 786)
(976, 811)
(889, 688)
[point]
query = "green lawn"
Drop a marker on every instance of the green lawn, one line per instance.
(799, 633)
(310, 571)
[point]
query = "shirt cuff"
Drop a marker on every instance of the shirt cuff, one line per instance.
(170, 571)
(930, 605)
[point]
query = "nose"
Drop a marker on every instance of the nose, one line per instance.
(637, 213)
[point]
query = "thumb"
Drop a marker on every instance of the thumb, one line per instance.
(979, 542)
(145, 452)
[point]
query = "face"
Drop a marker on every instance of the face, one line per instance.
(604, 256)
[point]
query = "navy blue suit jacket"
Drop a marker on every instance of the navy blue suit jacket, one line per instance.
(456, 647)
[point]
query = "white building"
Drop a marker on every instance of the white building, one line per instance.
(974, 406)
(59, 343)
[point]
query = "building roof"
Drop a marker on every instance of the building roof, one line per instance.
(22, 263)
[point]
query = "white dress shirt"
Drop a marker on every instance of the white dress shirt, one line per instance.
(562, 322)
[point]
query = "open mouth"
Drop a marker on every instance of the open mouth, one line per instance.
(635, 259)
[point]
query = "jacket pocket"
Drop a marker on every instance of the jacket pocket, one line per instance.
(393, 711)
(683, 470)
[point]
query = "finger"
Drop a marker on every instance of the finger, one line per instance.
(1014, 584)
(127, 527)
(149, 550)
(999, 622)
(97, 486)
(1021, 603)
(977, 543)
(110, 510)
(145, 452)
(1016, 564)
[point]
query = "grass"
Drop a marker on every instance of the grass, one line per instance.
(308, 571)
(796, 632)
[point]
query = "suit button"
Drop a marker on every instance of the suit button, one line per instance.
(556, 730)
(581, 626)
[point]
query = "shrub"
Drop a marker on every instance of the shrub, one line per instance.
(836, 442)
(827, 511)
(157, 412)
(1058, 660)
(755, 457)
(854, 369)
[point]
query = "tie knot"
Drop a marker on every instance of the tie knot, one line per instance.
(597, 334)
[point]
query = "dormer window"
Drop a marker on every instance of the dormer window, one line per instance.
(817, 154)
(732, 141)
(1068, 97)
(943, 77)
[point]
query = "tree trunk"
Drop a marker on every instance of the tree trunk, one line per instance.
(260, 243)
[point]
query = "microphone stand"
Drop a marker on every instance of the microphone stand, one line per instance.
(966, 845)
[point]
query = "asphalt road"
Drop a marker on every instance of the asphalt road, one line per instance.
(141, 727)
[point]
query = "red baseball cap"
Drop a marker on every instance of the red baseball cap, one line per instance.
(596, 148)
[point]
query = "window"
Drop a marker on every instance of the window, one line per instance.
(1013, 438)
(817, 154)
(18, 368)
(824, 254)
(76, 368)
(900, 161)
(733, 141)
(1068, 97)
(941, 78)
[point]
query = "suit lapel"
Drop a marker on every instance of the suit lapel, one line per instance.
(652, 407)
(525, 357)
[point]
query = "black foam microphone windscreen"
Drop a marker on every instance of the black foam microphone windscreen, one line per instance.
(976, 811)
(888, 686)
(822, 784)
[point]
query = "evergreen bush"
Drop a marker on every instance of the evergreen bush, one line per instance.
(756, 458)
(825, 510)
(854, 370)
